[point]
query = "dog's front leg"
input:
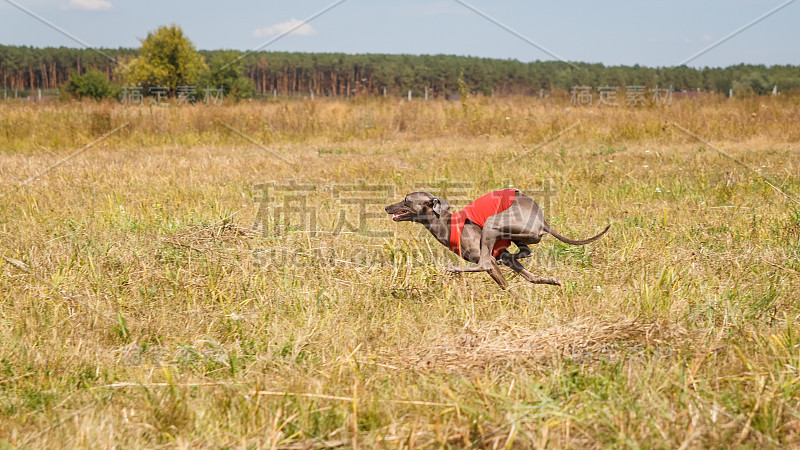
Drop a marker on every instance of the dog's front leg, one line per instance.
(462, 269)
(493, 271)
(487, 262)
(477, 246)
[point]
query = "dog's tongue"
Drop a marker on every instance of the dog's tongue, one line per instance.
(398, 214)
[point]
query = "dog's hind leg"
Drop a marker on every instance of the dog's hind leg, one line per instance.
(520, 269)
(505, 258)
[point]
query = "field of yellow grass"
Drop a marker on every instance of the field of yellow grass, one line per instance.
(161, 287)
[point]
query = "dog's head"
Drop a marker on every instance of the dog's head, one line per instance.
(417, 207)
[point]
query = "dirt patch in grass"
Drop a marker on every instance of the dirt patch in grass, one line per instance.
(494, 344)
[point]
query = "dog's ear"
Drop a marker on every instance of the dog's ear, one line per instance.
(440, 206)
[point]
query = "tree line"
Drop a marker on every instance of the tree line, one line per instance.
(340, 74)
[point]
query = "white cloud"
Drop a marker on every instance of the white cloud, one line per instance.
(87, 5)
(299, 29)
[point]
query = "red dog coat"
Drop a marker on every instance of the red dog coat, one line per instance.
(477, 212)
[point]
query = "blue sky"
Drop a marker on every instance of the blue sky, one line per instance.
(655, 33)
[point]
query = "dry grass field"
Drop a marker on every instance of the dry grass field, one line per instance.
(148, 298)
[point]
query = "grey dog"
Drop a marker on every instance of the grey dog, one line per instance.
(522, 223)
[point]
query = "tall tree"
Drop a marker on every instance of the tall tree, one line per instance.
(167, 58)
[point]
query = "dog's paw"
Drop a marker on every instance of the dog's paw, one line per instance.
(506, 259)
(454, 270)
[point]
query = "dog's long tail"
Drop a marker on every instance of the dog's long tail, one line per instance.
(570, 241)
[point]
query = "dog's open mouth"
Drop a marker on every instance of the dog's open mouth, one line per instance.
(399, 215)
